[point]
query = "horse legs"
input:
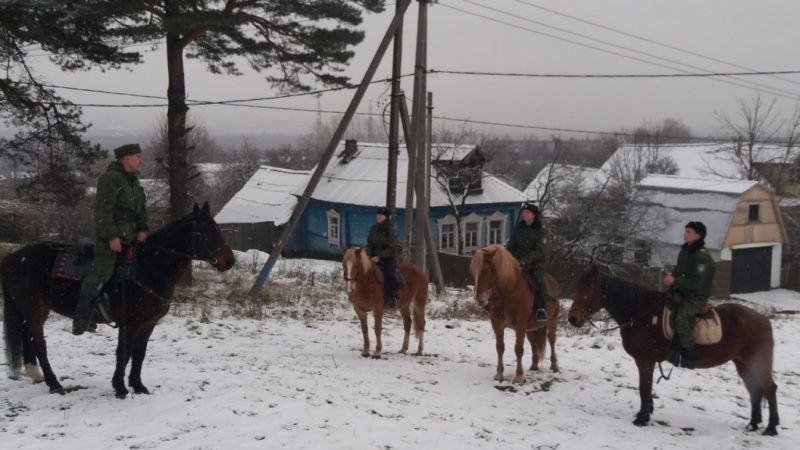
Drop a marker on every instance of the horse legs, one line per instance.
(538, 341)
(377, 314)
(39, 346)
(406, 314)
(32, 370)
(500, 346)
(756, 395)
(519, 350)
(646, 369)
(123, 356)
(552, 324)
(362, 317)
(138, 351)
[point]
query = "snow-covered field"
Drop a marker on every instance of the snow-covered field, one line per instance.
(294, 378)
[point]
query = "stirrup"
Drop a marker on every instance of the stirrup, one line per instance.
(541, 314)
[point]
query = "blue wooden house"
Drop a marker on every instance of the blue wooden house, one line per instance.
(342, 208)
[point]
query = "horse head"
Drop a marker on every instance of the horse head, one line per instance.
(588, 298)
(494, 269)
(355, 263)
(207, 243)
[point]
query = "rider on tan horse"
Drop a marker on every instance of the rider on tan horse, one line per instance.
(527, 244)
(383, 248)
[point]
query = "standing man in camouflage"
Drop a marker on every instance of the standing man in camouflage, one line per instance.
(693, 280)
(527, 244)
(383, 247)
(120, 218)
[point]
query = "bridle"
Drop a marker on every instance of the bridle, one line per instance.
(193, 256)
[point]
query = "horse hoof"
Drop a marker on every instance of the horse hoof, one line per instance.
(418, 354)
(640, 422)
(534, 368)
(770, 431)
(752, 427)
(121, 395)
(376, 356)
(59, 390)
(365, 354)
(498, 377)
(519, 380)
(141, 390)
(554, 369)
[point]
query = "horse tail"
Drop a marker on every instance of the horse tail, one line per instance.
(417, 306)
(13, 323)
(540, 342)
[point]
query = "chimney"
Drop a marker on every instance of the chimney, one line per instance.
(350, 149)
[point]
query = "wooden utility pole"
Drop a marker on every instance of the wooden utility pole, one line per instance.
(427, 233)
(332, 145)
(408, 220)
(418, 129)
(394, 135)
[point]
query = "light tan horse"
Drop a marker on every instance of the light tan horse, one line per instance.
(365, 292)
(501, 287)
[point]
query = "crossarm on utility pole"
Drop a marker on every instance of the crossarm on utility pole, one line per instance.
(328, 154)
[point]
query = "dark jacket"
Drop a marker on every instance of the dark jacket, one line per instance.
(382, 241)
(527, 244)
(119, 209)
(694, 272)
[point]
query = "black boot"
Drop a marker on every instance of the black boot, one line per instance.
(687, 358)
(83, 312)
(390, 299)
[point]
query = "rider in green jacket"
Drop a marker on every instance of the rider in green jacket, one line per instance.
(527, 244)
(120, 218)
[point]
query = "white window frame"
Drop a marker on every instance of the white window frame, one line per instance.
(471, 219)
(334, 238)
(447, 220)
(496, 217)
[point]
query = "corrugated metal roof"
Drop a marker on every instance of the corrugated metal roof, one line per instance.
(703, 160)
(266, 197)
(362, 180)
(671, 182)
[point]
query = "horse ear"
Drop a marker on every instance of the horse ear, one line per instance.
(358, 250)
(473, 252)
(206, 208)
(343, 248)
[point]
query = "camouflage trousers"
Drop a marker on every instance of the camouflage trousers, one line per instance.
(536, 280)
(684, 319)
(102, 270)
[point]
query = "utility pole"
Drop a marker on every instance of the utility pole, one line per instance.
(408, 221)
(332, 145)
(394, 111)
(418, 130)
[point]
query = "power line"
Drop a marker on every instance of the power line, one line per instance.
(642, 38)
(774, 91)
(625, 75)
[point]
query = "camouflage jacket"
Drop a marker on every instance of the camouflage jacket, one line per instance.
(527, 244)
(694, 272)
(382, 241)
(119, 209)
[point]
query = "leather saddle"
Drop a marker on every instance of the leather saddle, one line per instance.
(401, 279)
(707, 326)
(73, 262)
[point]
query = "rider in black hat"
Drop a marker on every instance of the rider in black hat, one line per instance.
(383, 248)
(527, 244)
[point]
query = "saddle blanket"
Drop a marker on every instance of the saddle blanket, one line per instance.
(707, 327)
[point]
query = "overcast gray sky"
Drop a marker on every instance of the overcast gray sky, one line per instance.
(760, 35)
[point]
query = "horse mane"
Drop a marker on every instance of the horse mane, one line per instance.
(507, 267)
(625, 297)
(366, 264)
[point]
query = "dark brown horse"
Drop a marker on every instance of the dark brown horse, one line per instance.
(365, 292)
(501, 287)
(30, 293)
(746, 340)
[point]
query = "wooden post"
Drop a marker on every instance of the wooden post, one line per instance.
(410, 180)
(394, 135)
(418, 130)
(328, 154)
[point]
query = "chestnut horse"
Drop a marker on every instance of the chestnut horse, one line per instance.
(746, 340)
(30, 292)
(501, 287)
(365, 292)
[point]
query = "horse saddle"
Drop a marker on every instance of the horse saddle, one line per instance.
(707, 326)
(73, 262)
(401, 279)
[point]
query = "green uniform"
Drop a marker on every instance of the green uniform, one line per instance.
(527, 244)
(119, 212)
(383, 243)
(694, 281)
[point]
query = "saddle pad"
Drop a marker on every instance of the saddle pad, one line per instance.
(707, 328)
(71, 266)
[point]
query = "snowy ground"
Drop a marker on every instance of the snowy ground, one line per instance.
(294, 378)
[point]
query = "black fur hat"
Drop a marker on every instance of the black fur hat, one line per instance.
(127, 149)
(384, 211)
(699, 227)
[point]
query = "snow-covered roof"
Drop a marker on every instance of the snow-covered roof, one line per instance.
(703, 160)
(362, 180)
(563, 176)
(673, 201)
(451, 152)
(267, 197)
(672, 182)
